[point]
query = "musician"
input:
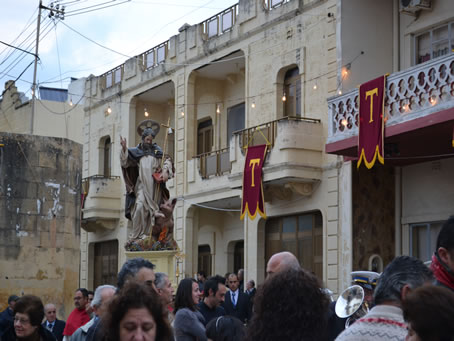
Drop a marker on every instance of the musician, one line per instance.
(368, 281)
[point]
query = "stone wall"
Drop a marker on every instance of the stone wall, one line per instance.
(373, 214)
(40, 181)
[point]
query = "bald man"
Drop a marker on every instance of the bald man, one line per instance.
(282, 261)
(53, 324)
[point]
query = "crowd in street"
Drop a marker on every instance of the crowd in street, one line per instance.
(407, 301)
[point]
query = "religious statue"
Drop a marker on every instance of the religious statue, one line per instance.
(146, 170)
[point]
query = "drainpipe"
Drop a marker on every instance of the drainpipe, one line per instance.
(396, 36)
(398, 210)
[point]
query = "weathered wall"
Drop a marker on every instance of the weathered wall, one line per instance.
(40, 218)
(373, 215)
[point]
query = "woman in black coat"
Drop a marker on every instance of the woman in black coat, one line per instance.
(28, 314)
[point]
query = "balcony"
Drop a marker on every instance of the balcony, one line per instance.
(102, 202)
(293, 161)
(419, 102)
(294, 157)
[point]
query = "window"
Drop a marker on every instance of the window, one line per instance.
(238, 256)
(105, 263)
(204, 136)
(204, 259)
(235, 120)
(107, 158)
(423, 239)
(299, 234)
(292, 88)
(434, 43)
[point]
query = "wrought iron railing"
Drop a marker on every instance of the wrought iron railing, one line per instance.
(418, 91)
(220, 23)
(216, 162)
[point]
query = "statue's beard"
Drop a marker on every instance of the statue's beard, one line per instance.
(147, 146)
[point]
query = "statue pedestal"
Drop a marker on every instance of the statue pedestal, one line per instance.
(163, 260)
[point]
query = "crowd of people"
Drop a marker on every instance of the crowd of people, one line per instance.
(408, 301)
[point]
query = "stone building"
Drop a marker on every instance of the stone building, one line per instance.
(40, 179)
(262, 71)
(221, 84)
(399, 207)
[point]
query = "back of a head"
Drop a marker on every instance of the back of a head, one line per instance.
(429, 310)
(97, 296)
(213, 284)
(289, 305)
(130, 268)
(226, 328)
(160, 279)
(183, 297)
(446, 236)
(403, 270)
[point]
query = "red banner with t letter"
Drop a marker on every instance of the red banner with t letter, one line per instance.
(371, 122)
(253, 200)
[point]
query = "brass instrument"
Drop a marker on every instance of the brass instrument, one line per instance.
(351, 304)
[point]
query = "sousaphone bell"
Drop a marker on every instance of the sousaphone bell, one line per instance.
(351, 304)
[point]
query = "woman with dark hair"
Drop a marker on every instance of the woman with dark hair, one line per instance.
(28, 315)
(429, 312)
(189, 323)
(289, 306)
(226, 328)
(136, 313)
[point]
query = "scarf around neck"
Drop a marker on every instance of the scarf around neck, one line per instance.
(441, 272)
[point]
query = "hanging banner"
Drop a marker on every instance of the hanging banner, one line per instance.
(371, 122)
(253, 200)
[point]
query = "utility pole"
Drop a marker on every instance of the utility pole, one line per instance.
(59, 14)
(36, 67)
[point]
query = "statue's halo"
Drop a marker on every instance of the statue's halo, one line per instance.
(155, 126)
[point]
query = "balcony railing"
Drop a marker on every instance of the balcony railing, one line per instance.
(272, 4)
(220, 23)
(265, 133)
(216, 163)
(416, 92)
(112, 77)
(155, 56)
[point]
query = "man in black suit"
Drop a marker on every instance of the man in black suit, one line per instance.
(51, 323)
(237, 302)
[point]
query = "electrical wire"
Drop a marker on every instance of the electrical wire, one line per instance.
(94, 42)
(97, 9)
(27, 25)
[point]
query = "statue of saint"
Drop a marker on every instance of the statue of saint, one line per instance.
(146, 170)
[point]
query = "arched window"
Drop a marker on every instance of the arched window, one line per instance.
(292, 88)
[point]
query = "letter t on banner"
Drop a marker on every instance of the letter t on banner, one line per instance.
(253, 200)
(371, 122)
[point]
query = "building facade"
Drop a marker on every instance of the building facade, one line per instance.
(258, 72)
(399, 207)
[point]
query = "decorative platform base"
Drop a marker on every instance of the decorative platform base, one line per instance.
(164, 261)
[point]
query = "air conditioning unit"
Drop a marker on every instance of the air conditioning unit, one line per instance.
(414, 6)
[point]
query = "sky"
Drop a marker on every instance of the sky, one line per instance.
(128, 27)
